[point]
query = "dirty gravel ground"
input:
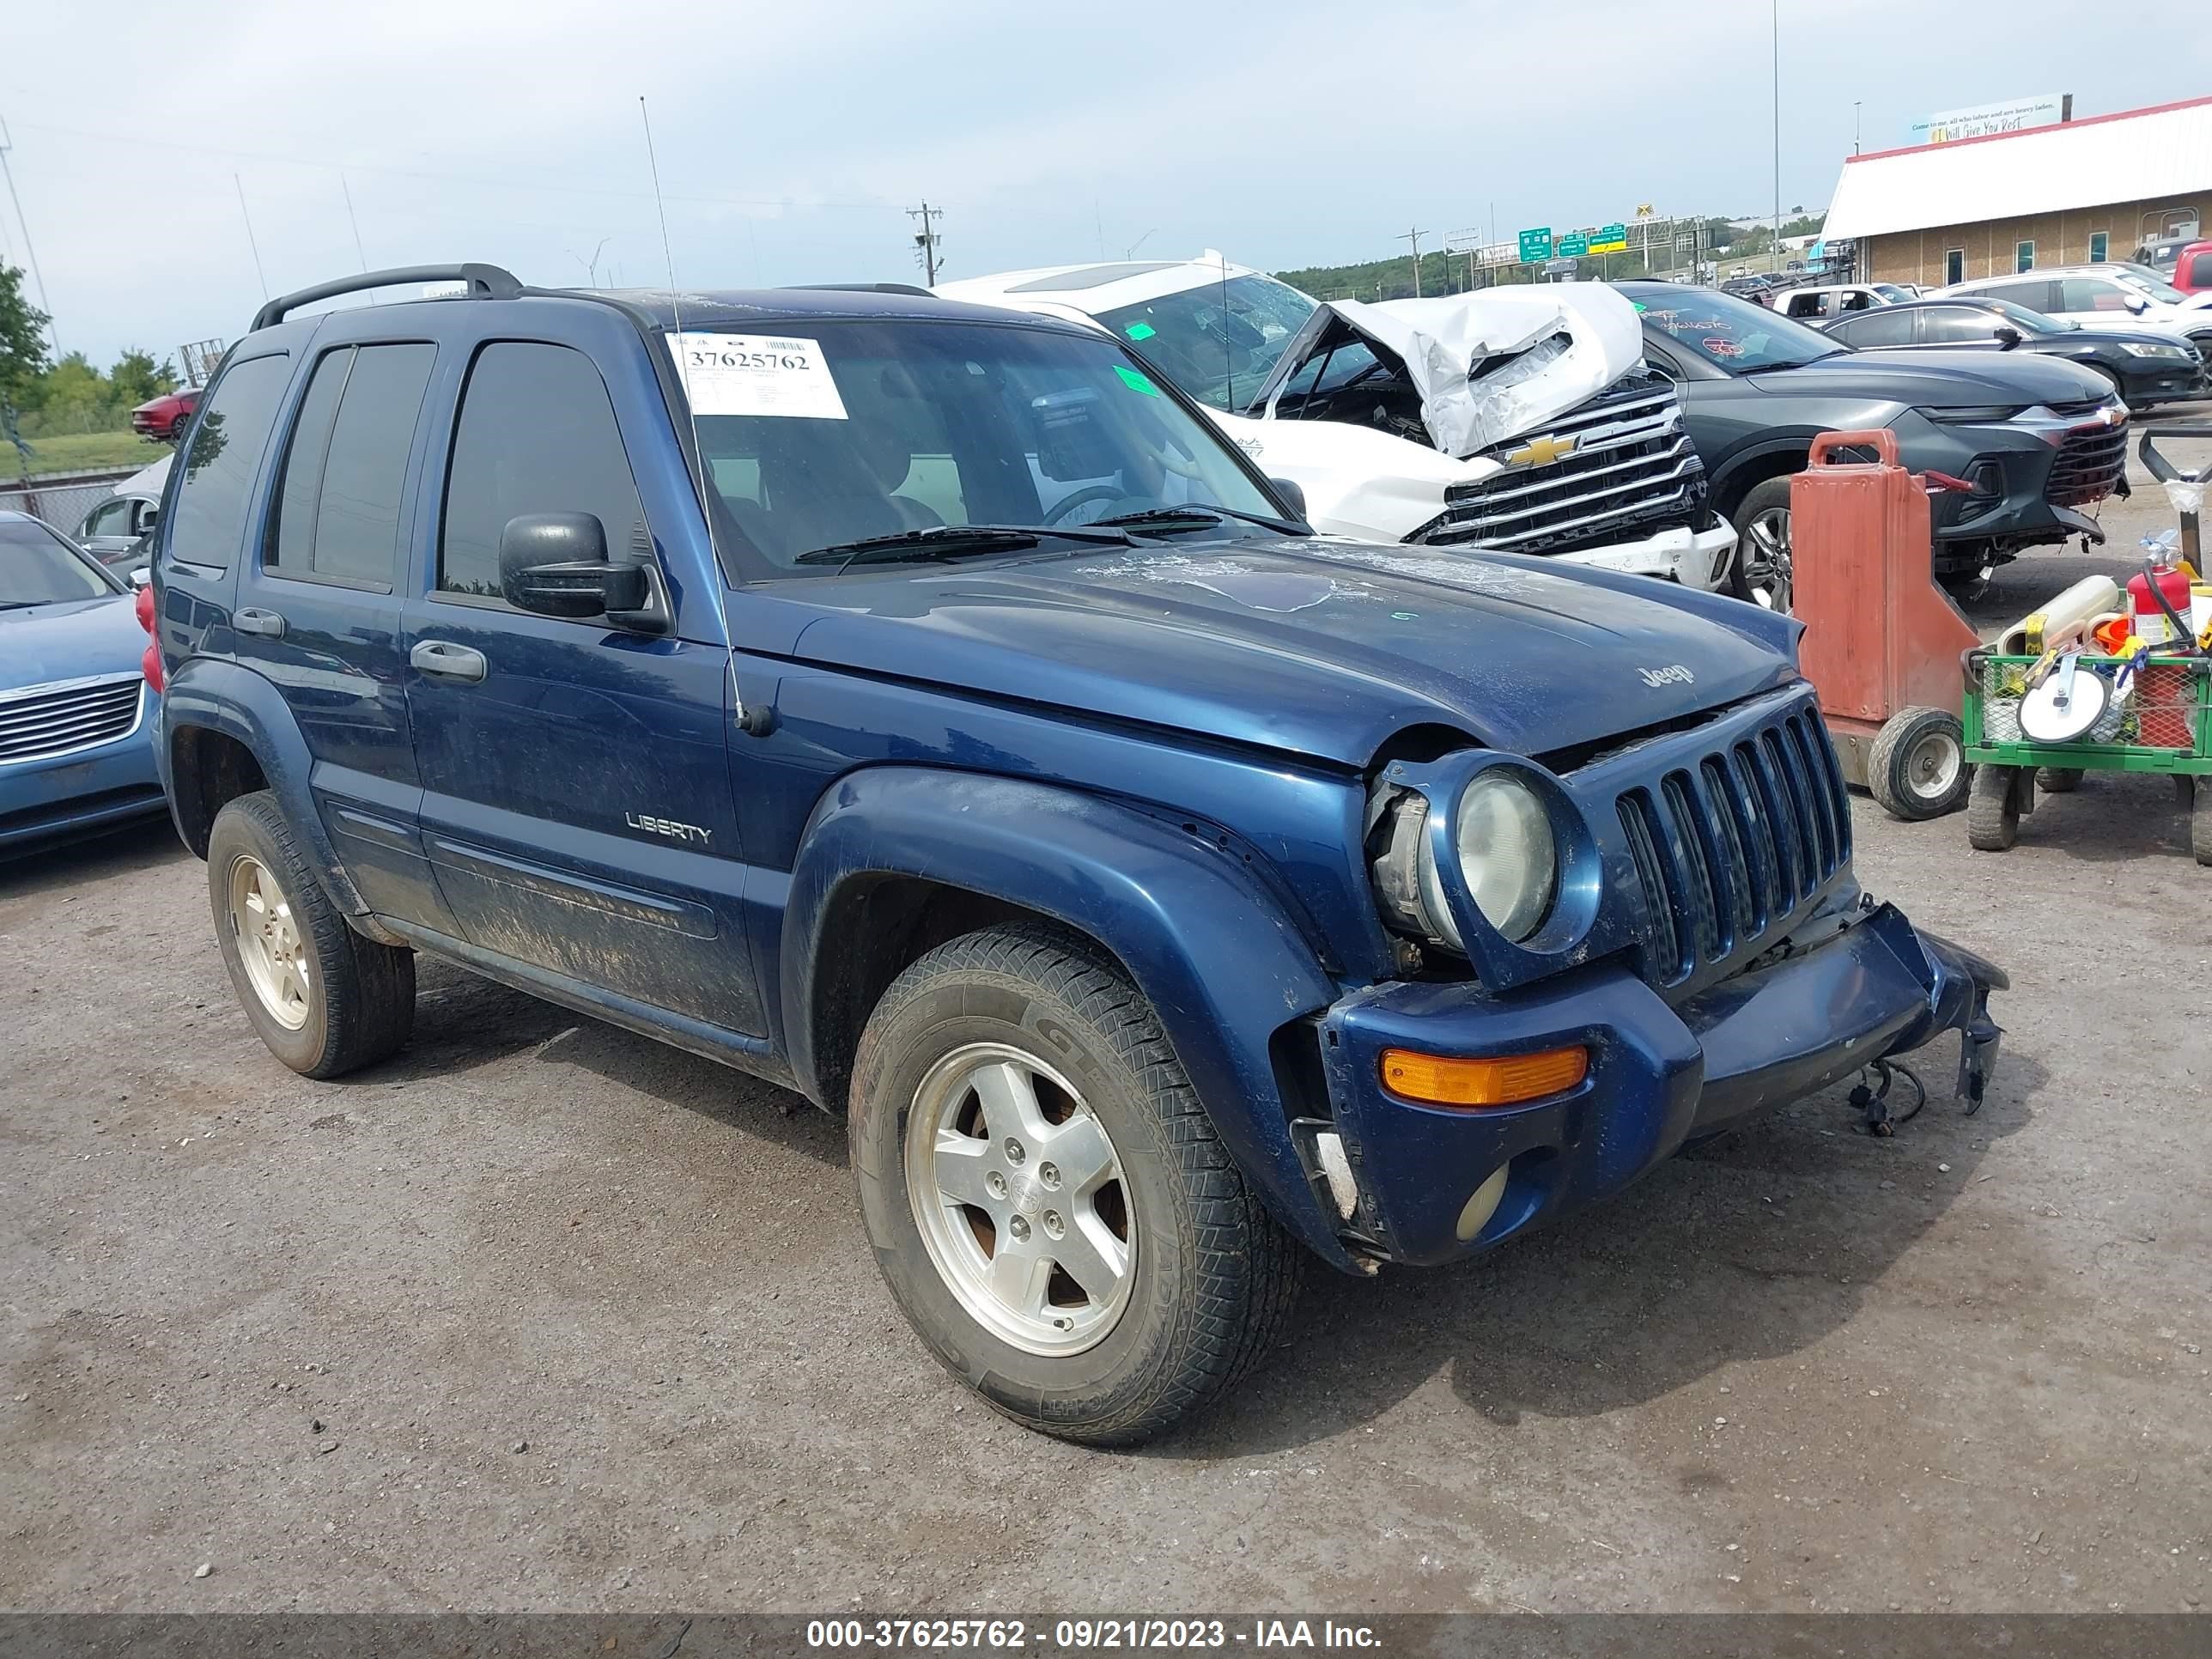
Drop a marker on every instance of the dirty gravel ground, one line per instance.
(545, 1316)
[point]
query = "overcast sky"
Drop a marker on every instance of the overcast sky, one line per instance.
(791, 137)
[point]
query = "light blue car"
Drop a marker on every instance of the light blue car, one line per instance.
(77, 716)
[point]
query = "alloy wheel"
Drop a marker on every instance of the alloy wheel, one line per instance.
(1764, 553)
(1020, 1199)
(267, 931)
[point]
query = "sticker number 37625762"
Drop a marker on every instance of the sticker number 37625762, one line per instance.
(755, 375)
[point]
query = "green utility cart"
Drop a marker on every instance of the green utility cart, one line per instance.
(2163, 724)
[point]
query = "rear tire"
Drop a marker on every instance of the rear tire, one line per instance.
(2058, 779)
(1917, 769)
(1992, 810)
(981, 1060)
(2199, 822)
(326, 1000)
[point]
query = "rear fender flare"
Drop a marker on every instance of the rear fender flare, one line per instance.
(1222, 965)
(217, 696)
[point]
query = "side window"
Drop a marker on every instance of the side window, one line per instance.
(109, 518)
(2091, 294)
(1885, 326)
(2036, 296)
(215, 493)
(2194, 272)
(337, 508)
(1956, 324)
(2101, 247)
(537, 433)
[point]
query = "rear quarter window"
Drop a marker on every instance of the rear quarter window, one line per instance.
(215, 498)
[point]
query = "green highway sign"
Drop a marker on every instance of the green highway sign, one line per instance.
(1608, 239)
(1535, 245)
(1573, 246)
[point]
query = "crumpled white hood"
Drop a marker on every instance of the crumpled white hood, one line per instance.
(1440, 341)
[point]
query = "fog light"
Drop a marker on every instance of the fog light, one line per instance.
(1482, 1205)
(1506, 1080)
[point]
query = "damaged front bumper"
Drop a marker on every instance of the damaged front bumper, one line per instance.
(1695, 558)
(1422, 1185)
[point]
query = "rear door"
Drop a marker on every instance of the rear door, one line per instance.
(318, 604)
(1959, 328)
(578, 800)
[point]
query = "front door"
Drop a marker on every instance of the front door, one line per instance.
(578, 803)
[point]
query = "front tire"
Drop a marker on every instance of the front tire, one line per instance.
(1760, 571)
(1045, 1197)
(1992, 810)
(322, 999)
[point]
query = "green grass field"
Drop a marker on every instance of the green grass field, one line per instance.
(81, 452)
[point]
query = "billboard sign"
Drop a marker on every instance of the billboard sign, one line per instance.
(1981, 121)
(1573, 246)
(1535, 245)
(1608, 239)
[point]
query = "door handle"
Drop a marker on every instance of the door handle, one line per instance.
(267, 623)
(448, 661)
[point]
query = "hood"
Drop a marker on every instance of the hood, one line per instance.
(1941, 380)
(70, 641)
(1319, 649)
(1487, 365)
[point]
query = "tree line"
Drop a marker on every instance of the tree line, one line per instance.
(41, 397)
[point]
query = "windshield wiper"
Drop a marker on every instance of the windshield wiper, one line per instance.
(1795, 362)
(950, 541)
(1194, 515)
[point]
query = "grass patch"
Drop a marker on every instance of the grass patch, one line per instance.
(81, 452)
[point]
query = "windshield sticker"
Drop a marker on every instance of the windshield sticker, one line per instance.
(1140, 331)
(755, 375)
(1135, 380)
(1719, 348)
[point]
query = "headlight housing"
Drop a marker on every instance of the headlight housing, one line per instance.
(2152, 349)
(1499, 845)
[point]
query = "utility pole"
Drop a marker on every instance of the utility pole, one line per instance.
(45, 305)
(1774, 18)
(926, 238)
(1855, 125)
(1414, 237)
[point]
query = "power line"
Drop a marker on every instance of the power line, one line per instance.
(925, 241)
(53, 339)
(249, 242)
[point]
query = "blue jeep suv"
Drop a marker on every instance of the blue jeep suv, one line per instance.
(922, 707)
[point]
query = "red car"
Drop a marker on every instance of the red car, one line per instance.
(164, 418)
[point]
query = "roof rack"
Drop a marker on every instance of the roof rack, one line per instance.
(485, 283)
(864, 287)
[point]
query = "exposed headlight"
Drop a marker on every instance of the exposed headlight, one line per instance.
(1974, 414)
(1507, 854)
(2149, 349)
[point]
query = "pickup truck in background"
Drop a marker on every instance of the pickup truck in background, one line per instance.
(925, 708)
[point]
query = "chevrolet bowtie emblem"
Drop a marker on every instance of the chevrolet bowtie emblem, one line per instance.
(1541, 452)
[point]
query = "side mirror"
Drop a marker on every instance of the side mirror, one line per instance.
(150, 517)
(555, 564)
(143, 576)
(1291, 494)
(2137, 304)
(2007, 336)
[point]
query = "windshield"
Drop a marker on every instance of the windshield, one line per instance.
(844, 431)
(1730, 333)
(1217, 341)
(37, 567)
(1890, 291)
(2151, 283)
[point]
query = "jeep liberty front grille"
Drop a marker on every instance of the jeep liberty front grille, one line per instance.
(1731, 843)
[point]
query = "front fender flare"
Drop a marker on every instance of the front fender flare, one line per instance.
(1222, 965)
(217, 696)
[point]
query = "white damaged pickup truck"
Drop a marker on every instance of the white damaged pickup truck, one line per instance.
(1518, 420)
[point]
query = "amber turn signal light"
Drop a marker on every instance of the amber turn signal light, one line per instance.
(1506, 1080)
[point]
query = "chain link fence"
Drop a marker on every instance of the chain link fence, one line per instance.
(64, 502)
